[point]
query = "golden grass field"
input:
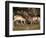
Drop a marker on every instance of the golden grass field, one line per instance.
(19, 27)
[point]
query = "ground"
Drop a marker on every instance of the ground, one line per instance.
(18, 27)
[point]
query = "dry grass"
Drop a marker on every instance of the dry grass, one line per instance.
(18, 27)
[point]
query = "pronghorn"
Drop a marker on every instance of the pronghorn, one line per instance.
(19, 18)
(33, 20)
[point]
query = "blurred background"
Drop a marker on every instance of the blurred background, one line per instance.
(29, 18)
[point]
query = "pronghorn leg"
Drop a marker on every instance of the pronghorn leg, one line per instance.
(31, 22)
(17, 22)
(22, 22)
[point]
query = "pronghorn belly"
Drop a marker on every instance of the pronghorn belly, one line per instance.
(34, 20)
